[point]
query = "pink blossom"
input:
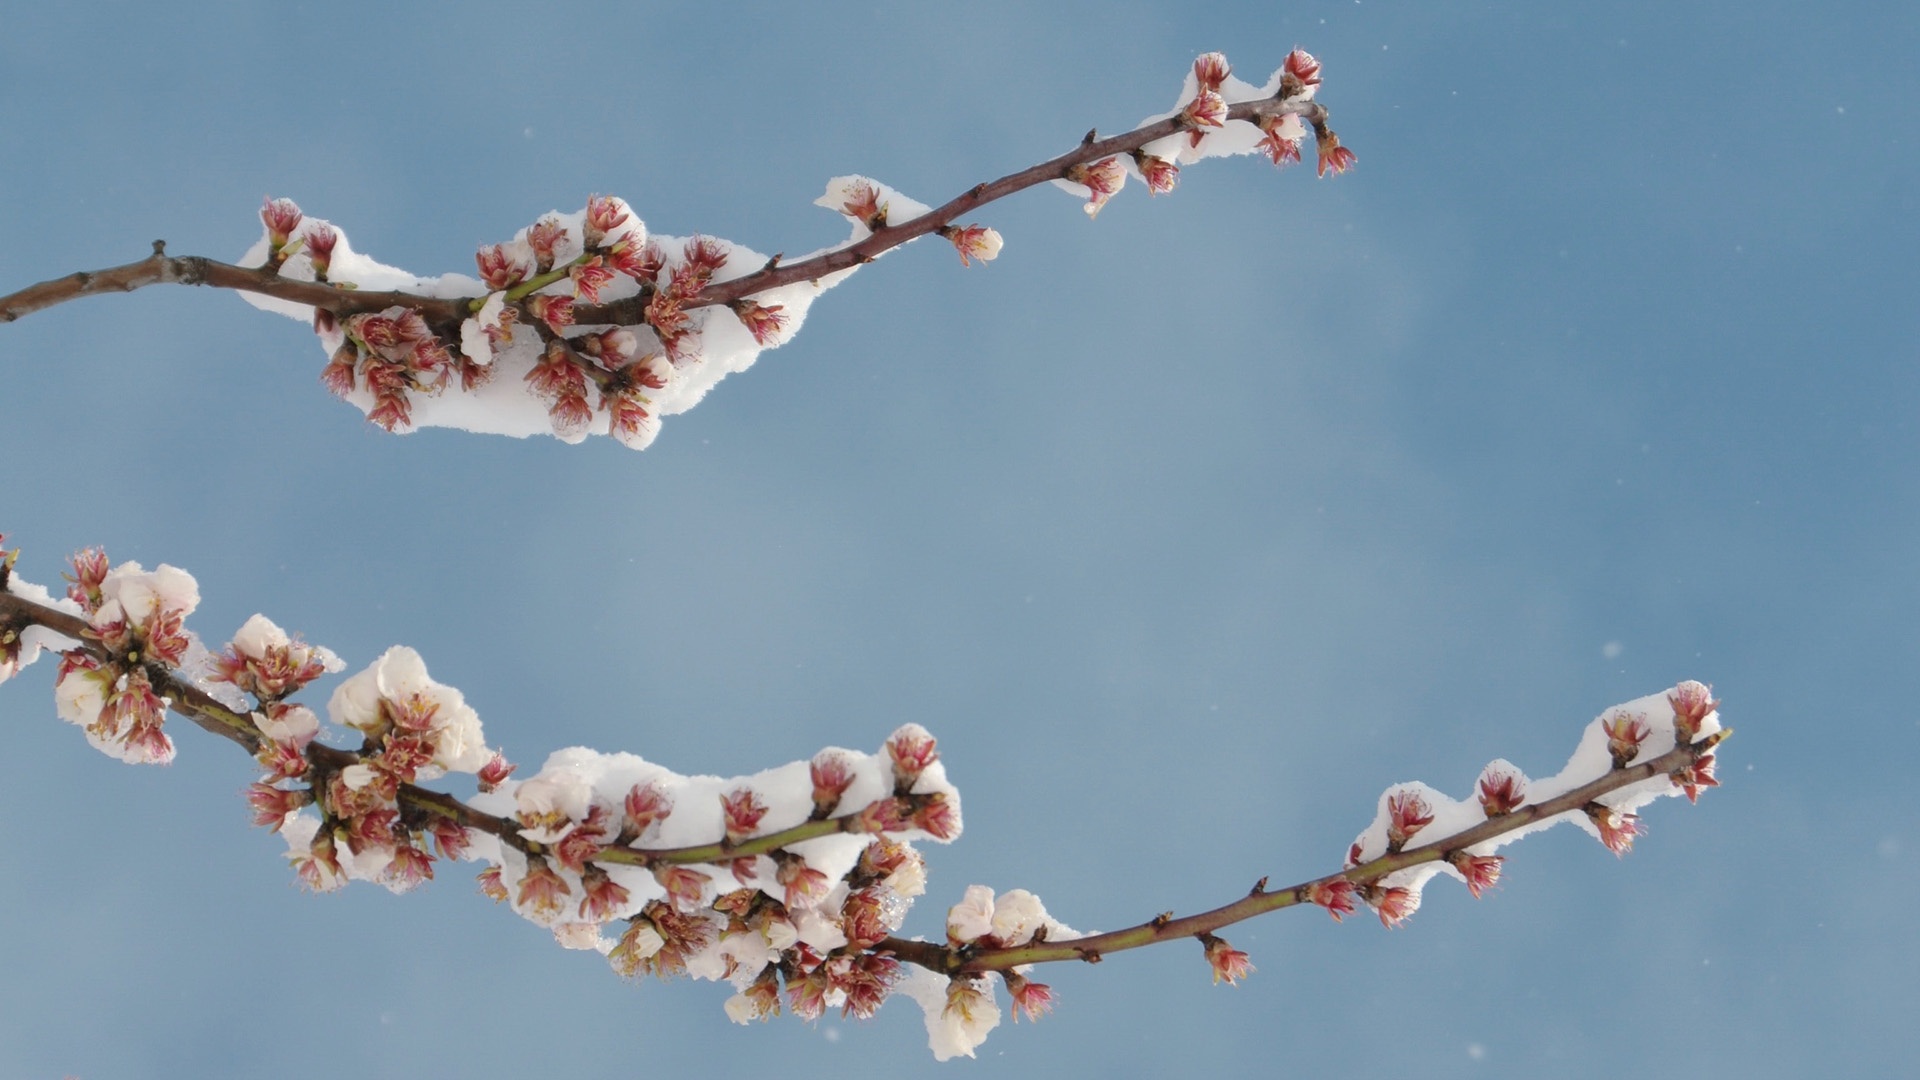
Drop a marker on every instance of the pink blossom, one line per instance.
(1299, 72)
(544, 238)
(802, 883)
(604, 896)
(912, 750)
(318, 868)
(281, 217)
(495, 772)
(882, 816)
(1481, 871)
(89, 571)
(320, 241)
(863, 205)
(491, 885)
(542, 892)
(704, 255)
(1161, 175)
(866, 981)
(338, 375)
(449, 837)
(1030, 999)
(742, 811)
(1407, 814)
(973, 242)
(575, 848)
(936, 817)
(641, 262)
(1502, 791)
(1210, 70)
(1207, 110)
(685, 886)
(1281, 148)
(1102, 179)
(1625, 732)
(646, 805)
(409, 867)
(271, 805)
(1394, 905)
(1226, 961)
(1692, 702)
(282, 759)
(832, 775)
(555, 311)
(604, 214)
(1617, 829)
(1334, 894)
(764, 321)
(1692, 779)
(1334, 158)
(590, 277)
(863, 918)
(500, 268)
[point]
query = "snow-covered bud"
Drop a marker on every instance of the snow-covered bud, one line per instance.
(271, 805)
(765, 322)
(1481, 871)
(1502, 789)
(320, 242)
(1207, 110)
(1017, 916)
(1227, 962)
(449, 836)
(495, 772)
(1692, 702)
(1394, 905)
(263, 661)
(1336, 895)
(574, 849)
(685, 886)
(1407, 814)
(646, 805)
(1030, 999)
(545, 238)
(605, 214)
(502, 266)
(802, 883)
(742, 811)
(590, 277)
(881, 816)
(972, 918)
(1102, 179)
(1617, 829)
(973, 242)
(1625, 732)
(542, 891)
(281, 217)
(759, 1001)
(704, 257)
(89, 571)
(604, 896)
(1160, 174)
(641, 262)
(937, 818)
(1299, 74)
(912, 749)
(832, 775)
(1210, 70)
(864, 918)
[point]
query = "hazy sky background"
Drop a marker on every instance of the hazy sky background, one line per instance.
(1187, 530)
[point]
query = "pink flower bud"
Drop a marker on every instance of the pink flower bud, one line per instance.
(1030, 999)
(1407, 814)
(542, 892)
(802, 882)
(1695, 777)
(1617, 829)
(1394, 906)
(1102, 179)
(1207, 110)
(604, 214)
(1299, 72)
(1692, 702)
(832, 775)
(1481, 871)
(973, 242)
(742, 811)
(912, 749)
(1161, 175)
(645, 805)
(1226, 961)
(544, 238)
(499, 268)
(495, 772)
(1211, 70)
(764, 322)
(685, 886)
(1502, 789)
(1334, 894)
(281, 217)
(1334, 158)
(1625, 732)
(604, 896)
(936, 818)
(271, 805)
(1281, 142)
(320, 241)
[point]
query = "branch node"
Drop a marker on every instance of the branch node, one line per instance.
(160, 249)
(1259, 887)
(1092, 134)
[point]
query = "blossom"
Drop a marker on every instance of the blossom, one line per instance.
(604, 896)
(1617, 829)
(970, 1013)
(271, 805)
(605, 214)
(320, 241)
(1299, 73)
(502, 266)
(316, 865)
(1207, 110)
(864, 918)
(1481, 871)
(686, 887)
(542, 892)
(555, 311)
(861, 202)
(1692, 702)
(641, 942)
(1017, 916)
(544, 238)
(1102, 179)
(294, 724)
(759, 1001)
(495, 772)
(1334, 158)
(1407, 814)
(1160, 174)
(1030, 999)
(641, 262)
(973, 242)
(396, 691)
(1334, 894)
(491, 885)
(831, 774)
(972, 918)
(1210, 70)
(409, 867)
(1503, 789)
(1394, 905)
(1281, 139)
(802, 882)
(645, 806)
(263, 661)
(590, 277)
(1226, 961)
(742, 811)
(281, 217)
(766, 322)
(912, 750)
(1692, 778)
(1625, 732)
(937, 817)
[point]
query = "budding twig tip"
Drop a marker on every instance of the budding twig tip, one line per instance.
(160, 247)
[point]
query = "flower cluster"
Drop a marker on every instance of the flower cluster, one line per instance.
(138, 617)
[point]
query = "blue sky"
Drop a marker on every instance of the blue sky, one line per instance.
(1188, 530)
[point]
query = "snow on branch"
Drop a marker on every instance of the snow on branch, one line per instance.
(792, 884)
(584, 323)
